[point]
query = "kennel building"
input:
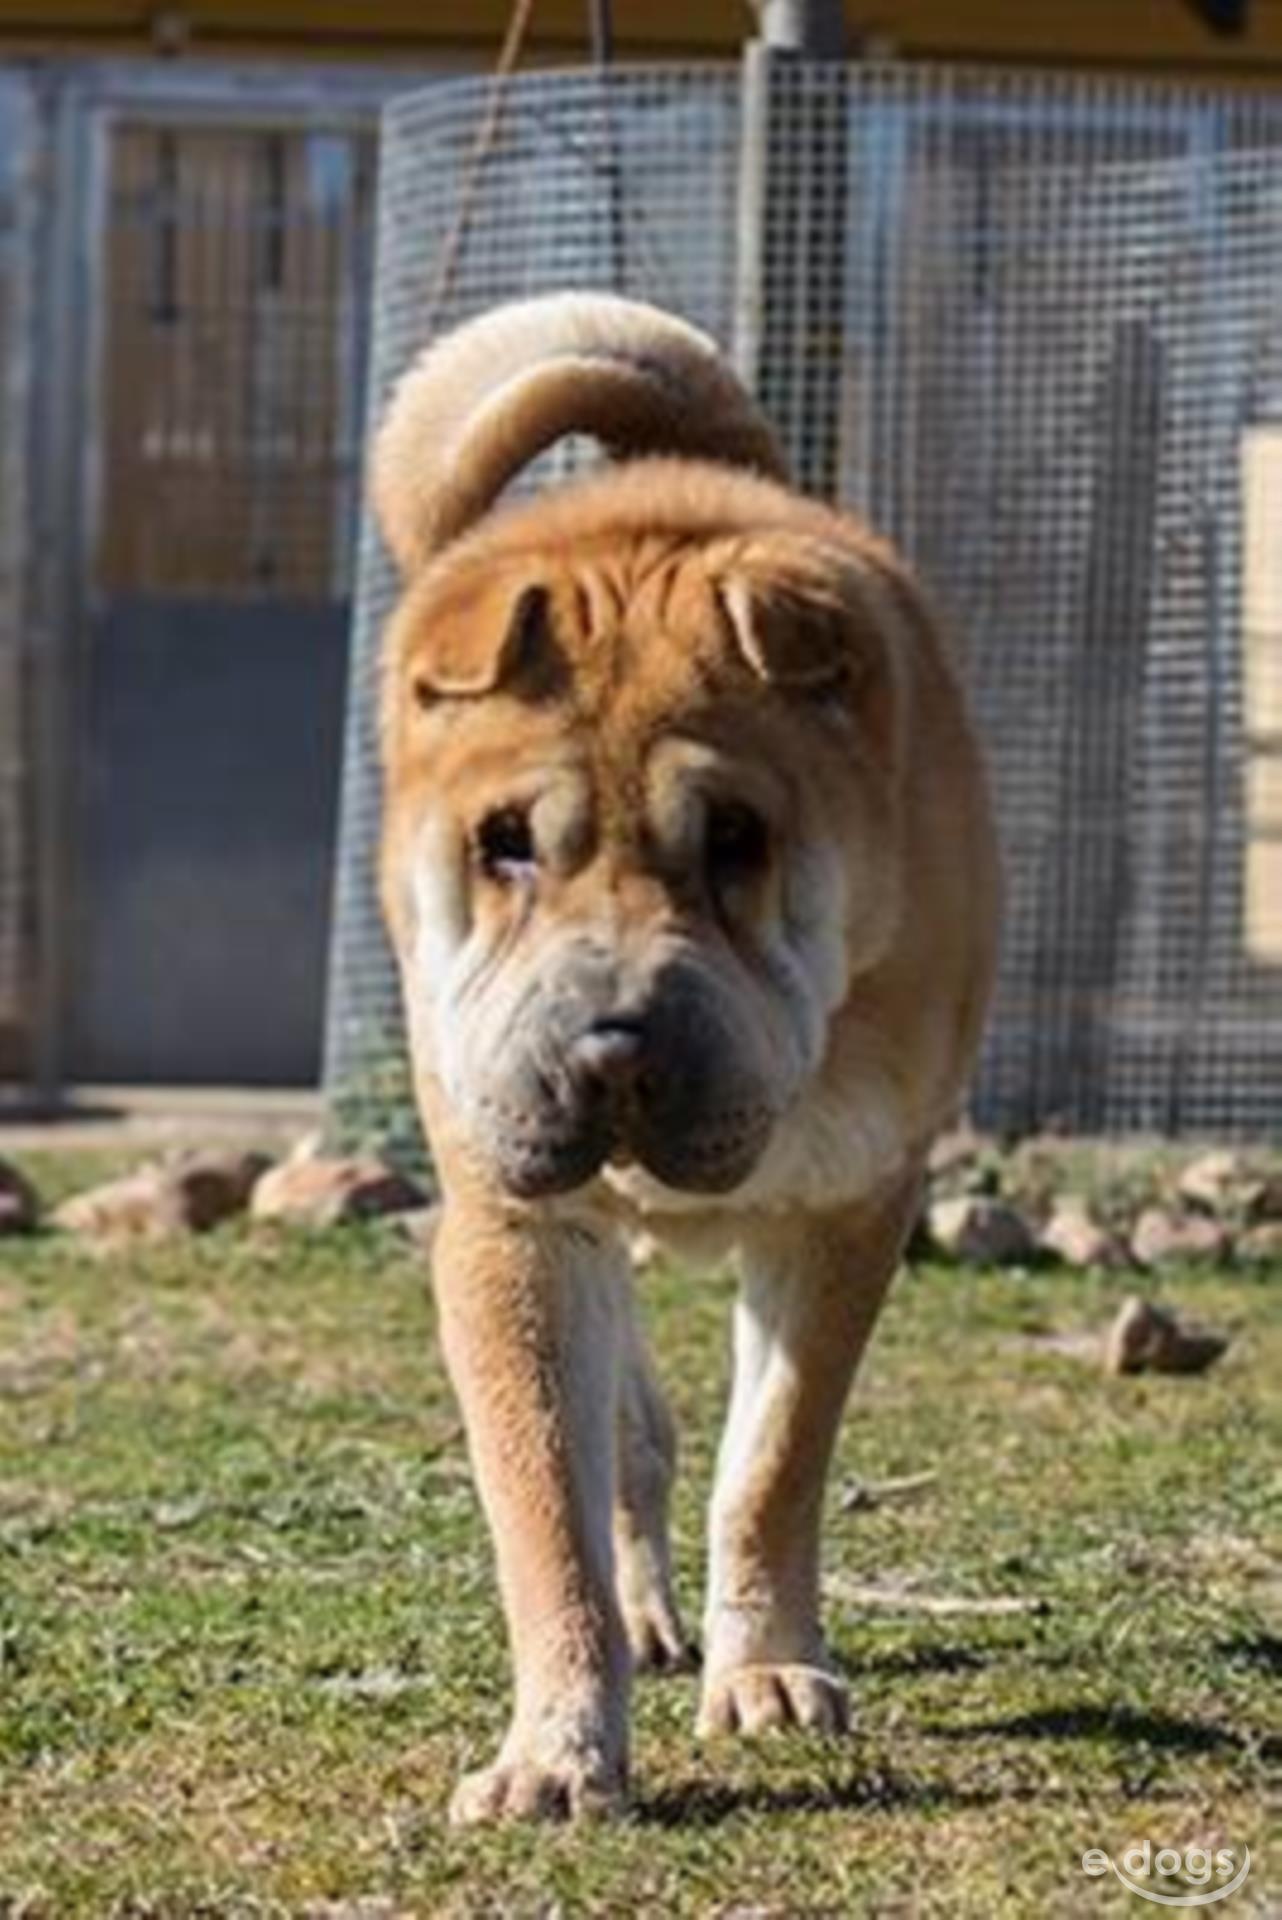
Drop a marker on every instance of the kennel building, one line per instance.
(1032, 326)
(185, 264)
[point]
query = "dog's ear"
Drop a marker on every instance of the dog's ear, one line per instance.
(798, 611)
(476, 640)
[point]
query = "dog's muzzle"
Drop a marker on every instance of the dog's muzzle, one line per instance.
(661, 1084)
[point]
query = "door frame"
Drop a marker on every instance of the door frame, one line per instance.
(76, 107)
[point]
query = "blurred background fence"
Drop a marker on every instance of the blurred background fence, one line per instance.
(1043, 350)
(1032, 326)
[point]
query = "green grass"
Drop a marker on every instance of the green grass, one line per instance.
(248, 1635)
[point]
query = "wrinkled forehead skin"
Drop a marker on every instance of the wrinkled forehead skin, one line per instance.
(635, 693)
(604, 690)
(634, 652)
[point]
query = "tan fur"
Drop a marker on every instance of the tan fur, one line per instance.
(621, 667)
(477, 407)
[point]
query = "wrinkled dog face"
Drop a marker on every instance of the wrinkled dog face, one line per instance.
(640, 833)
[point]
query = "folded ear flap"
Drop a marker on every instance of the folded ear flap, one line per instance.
(474, 641)
(796, 610)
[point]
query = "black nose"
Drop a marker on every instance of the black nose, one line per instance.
(610, 1052)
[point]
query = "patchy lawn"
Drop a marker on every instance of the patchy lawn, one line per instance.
(248, 1635)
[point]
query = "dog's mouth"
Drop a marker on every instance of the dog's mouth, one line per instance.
(711, 1153)
(662, 1082)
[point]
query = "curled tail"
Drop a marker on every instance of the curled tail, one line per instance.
(481, 403)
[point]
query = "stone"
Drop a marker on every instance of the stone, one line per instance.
(643, 1249)
(1147, 1337)
(1260, 1245)
(1215, 1182)
(311, 1189)
(955, 1152)
(189, 1193)
(1161, 1238)
(215, 1183)
(1073, 1234)
(137, 1206)
(984, 1231)
(1264, 1201)
(19, 1207)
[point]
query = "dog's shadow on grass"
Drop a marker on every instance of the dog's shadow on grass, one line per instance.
(705, 1803)
(858, 1789)
(919, 1662)
(1098, 1725)
(1262, 1650)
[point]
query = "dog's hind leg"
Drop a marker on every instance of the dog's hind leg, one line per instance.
(811, 1290)
(644, 1467)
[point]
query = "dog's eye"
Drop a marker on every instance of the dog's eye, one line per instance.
(737, 841)
(505, 844)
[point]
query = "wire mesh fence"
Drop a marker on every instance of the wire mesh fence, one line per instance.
(628, 184)
(1042, 348)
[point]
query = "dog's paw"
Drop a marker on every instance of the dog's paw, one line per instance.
(520, 1787)
(657, 1640)
(756, 1699)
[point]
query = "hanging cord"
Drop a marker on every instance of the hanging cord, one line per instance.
(487, 135)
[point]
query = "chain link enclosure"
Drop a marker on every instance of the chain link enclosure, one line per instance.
(1051, 331)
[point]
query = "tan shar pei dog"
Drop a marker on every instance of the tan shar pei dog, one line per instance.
(690, 872)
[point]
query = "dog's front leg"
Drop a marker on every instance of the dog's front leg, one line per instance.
(810, 1293)
(528, 1314)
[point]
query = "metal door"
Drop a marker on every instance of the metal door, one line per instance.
(230, 274)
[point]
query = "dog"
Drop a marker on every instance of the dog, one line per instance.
(689, 868)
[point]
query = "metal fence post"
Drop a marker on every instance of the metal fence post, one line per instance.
(58, 426)
(789, 294)
(18, 164)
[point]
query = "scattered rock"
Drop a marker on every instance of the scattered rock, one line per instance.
(955, 1152)
(1228, 1184)
(189, 1193)
(134, 1207)
(1161, 1238)
(1264, 1201)
(643, 1249)
(988, 1232)
(310, 1190)
(1072, 1234)
(1093, 1204)
(19, 1208)
(1258, 1246)
(1214, 1181)
(216, 1184)
(1145, 1336)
